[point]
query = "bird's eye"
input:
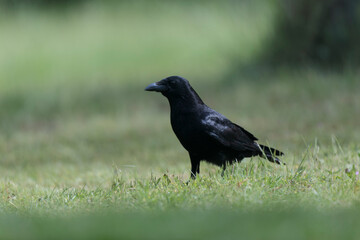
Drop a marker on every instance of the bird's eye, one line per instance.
(172, 82)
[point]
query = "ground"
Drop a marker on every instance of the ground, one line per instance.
(80, 137)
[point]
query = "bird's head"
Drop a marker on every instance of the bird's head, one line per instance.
(171, 86)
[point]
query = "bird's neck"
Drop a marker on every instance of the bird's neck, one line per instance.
(185, 102)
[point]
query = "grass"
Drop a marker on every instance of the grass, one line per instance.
(190, 225)
(86, 152)
(317, 180)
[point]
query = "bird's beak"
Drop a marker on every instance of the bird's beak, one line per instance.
(156, 87)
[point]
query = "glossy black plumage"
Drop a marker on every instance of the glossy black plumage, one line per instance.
(203, 132)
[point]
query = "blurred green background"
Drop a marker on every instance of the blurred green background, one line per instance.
(78, 132)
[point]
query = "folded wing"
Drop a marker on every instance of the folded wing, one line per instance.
(229, 134)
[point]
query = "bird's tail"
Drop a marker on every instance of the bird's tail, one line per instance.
(271, 154)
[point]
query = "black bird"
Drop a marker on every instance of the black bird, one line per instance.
(203, 132)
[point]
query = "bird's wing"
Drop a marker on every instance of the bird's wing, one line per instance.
(229, 134)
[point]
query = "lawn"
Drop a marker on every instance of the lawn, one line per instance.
(85, 152)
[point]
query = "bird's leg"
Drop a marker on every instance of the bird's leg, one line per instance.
(195, 169)
(223, 169)
(198, 168)
(195, 166)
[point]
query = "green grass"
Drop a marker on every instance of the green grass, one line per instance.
(215, 224)
(84, 148)
(319, 180)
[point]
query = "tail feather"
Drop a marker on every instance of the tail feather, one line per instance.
(271, 154)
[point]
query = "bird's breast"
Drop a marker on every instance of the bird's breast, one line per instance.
(188, 129)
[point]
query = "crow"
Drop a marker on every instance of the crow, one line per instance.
(203, 132)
